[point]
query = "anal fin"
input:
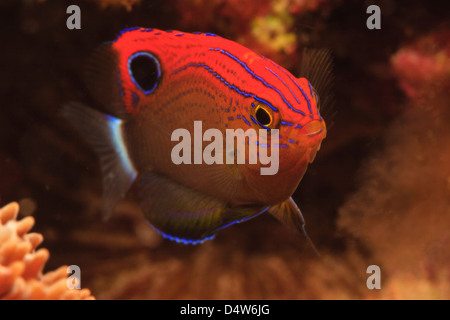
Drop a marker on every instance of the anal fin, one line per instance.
(185, 215)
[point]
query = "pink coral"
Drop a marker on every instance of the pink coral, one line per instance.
(424, 63)
(401, 212)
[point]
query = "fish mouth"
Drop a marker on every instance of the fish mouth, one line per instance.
(314, 128)
(311, 134)
(315, 133)
(310, 138)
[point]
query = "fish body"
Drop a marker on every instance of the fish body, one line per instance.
(151, 83)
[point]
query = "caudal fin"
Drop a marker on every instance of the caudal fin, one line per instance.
(104, 134)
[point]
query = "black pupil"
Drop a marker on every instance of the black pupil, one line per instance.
(145, 72)
(263, 117)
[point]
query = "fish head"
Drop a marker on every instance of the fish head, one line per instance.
(304, 133)
(295, 128)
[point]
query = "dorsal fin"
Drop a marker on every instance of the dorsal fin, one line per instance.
(317, 67)
(103, 80)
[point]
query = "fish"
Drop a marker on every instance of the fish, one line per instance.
(147, 83)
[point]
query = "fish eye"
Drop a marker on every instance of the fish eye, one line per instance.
(263, 116)
(145, 71)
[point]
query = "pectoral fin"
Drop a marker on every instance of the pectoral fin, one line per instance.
(290, 215)
(317, 67)
(104, 134)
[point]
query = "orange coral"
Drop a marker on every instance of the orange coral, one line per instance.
(21, 265)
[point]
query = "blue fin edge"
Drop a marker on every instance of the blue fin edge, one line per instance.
(182, 240)
(198, 241)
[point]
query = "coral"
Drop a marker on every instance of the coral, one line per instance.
(266, 26)
(21, 265)
(424, 63)
(401, 212)
(274, 29)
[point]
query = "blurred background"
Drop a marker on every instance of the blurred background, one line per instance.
(378, 192)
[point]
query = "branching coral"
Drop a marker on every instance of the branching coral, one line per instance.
(21, 265)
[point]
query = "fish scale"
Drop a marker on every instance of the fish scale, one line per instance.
(153, 82)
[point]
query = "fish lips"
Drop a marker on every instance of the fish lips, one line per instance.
(310, 137)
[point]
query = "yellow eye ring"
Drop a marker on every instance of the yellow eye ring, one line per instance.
(262, 115)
